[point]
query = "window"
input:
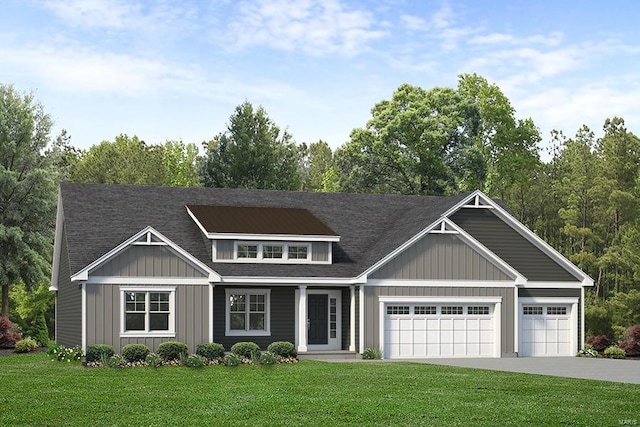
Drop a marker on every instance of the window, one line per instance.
(532, 311)
(333, 318)
(425, 309)
(483, 309)
(449, 309)
(248, 251)
(248, 312)
(272, 251)
(556, 311)
(298, 252)
(148, 311)
(397, 309)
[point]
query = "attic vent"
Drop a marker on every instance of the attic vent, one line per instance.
(443, 228)
(149, 239)
(478, 202)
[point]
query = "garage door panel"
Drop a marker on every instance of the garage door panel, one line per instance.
(544, 334)
(446, 324)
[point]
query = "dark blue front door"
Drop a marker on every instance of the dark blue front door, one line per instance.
(317, 310)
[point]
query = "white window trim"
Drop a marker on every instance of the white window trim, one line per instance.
(285, 253)
(267, 312)
(171, 333)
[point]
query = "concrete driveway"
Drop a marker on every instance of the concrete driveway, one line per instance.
(624, 371)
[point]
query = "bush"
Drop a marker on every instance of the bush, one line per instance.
(117, 361)
(65, 354)
(210, 350)
(135, 352)
(193, 361)
(631, 341)
(599, 342)
(97, 352)
(39, 330)
(615, 352)
(9, 333)
(372, 354)
(246, 349)
(153, 360)
(171, 350)
(267, 358)
(26, 345)
(588, 351)
(232, 360)
(282, 349)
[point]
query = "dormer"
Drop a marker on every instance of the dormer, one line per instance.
(245, 234)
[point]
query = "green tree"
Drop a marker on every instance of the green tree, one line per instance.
(28, 303)
(180, 163)
(318, 160)
(27, 192)
(63, 156)
(126, 160)
(252, 153)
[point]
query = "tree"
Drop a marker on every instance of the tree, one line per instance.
(318, 160)
(180, 163)
(252, 153)
(126, 160)
(27, 192)
(63, 156)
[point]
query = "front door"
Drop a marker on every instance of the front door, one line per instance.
(317, 311)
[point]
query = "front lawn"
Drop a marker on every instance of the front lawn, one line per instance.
(37, 391)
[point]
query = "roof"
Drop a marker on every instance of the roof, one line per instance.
(99, 217)
(259, 220)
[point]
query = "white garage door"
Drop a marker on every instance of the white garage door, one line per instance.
(439, 330)
(546, 330)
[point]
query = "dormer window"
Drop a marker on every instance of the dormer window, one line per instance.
(247, 251)
(272, 252)
(298, 252)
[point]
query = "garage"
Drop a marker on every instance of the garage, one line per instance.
(432, 328)
(547, 327)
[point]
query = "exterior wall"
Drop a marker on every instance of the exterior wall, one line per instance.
(148, 261)
(224, 249)
(372, 308)
(282, 311)
(439, 257)
(68, 303)
(510, 246)
(320, 251)
(104, 315)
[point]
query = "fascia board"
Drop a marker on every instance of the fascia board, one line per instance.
(57, 244)
(294, 280)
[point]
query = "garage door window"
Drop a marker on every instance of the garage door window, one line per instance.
(532, 311)
(557, 311)
(424, 309)
(397, 309)
(452, 309)
(483, 309)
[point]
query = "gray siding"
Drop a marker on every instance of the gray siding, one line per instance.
(555, 292)
(104, 311)
(372, 308)
(224, 249)
(282, 318)
(510, 246)
(148, 261)
(320, 251)
(68, 302)
(439, 257)
(346, 323)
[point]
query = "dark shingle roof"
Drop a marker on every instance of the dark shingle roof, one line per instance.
(99, 217)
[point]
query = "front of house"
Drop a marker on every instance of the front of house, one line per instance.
(413, 276)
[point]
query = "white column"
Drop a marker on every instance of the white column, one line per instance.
(211, 289)
(352, 319)
(84, 315)
(581, 343)
(302, 319)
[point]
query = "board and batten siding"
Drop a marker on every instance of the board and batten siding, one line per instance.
(68, 302)
(148, 261)
(510, 246)
(439, 257)
(320, 251)
(104, 317)
(372, 308)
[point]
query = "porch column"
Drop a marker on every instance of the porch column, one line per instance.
(302, 319)
(352, 319)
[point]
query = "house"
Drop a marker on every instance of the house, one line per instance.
(414, 276)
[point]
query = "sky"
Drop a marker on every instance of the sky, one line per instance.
(176, 69)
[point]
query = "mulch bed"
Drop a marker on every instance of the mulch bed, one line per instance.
(11, 352)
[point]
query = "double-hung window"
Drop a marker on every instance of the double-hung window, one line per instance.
(148, 311)
(274, 252)
(248, 312)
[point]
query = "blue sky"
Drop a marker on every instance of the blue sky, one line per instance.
(176, 69)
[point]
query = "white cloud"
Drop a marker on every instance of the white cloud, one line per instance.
(553, 39)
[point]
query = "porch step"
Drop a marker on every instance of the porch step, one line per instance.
(329, 355)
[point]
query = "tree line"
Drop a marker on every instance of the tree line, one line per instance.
(584, 201)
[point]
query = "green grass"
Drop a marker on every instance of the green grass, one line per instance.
(37, 391)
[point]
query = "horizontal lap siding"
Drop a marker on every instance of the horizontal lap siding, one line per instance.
(148, 261)
(68, 303)
(282, 318)
(372, 307)
(439, 257)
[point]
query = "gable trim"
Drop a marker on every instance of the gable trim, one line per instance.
(57, 245)
(477, 197)
(83, 275)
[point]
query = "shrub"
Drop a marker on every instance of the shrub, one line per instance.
(588, 351)
(631, 341)
(246, 349)
(267, 358)
(599, 342)
(372, 354)
(65, 354)
(97, 352)
(615, 352)
(232, 359)
(153, 360)
(135, 352)
(26, 345)
(193, 361)
(39, 330)
(117, 361)
(282, 349)
(210, 350)
(9, 333)
(171, 350)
